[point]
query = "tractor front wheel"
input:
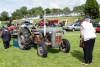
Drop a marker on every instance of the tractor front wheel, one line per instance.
(65, 46)
(42, 49)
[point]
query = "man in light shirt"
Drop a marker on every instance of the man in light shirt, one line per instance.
(88, 36)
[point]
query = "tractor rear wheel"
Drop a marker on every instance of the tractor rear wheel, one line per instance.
(24, 39)
(65, 46)
(42, 49)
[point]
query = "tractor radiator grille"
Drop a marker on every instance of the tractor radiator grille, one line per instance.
(58, 39)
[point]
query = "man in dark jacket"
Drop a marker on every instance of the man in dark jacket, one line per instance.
(6, 37)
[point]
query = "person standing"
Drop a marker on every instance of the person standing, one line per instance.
(89, 36)
(80, 22)
(6, 37)
(9, 24)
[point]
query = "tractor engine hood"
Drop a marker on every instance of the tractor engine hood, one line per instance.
(50, 30)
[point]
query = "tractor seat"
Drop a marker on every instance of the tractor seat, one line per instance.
(33, 30)
(36, 33)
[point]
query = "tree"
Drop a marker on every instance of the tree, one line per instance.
(91, 8)
(38, 11)
(66, 9)
(0, 18)
(99, 6)
(99, 10)
(79, 7)
(4, 15)
(23, 10)
(30, 12)
(17, 14)
(48, 10)
(55, 10)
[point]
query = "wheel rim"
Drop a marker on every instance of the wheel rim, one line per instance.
(22, 39)
(40, 50)
(63, 46)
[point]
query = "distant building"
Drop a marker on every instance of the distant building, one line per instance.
(64, 14)
(59, 14)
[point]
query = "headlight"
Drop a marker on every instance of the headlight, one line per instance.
(50, 32)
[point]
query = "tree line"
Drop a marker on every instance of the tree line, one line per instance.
(91, 8)
(23, 11)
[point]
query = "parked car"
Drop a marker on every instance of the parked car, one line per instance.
(71, 27)
(96, 24)
(62, 23)
(27, 23)
(98, 29)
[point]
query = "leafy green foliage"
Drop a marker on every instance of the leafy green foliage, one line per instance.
(48, 10)
(92, 8)
(79, 7)
(55, 10)
(31, 11)
(17, 14)
(23, 10)
(4, 15)
(66, 9)
(38, 11)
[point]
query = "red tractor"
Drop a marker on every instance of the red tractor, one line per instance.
(40, 23)
(14, 29)
(48, 22)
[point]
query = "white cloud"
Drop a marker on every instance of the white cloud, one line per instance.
(12, 5)
(54, 5)
(82, 2)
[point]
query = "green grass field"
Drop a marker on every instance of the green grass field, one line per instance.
(14, 57)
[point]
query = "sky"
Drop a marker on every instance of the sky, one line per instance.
(11, 5)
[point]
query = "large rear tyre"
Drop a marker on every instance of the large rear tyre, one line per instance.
(42, 49)
(24, 38)
(65, 46)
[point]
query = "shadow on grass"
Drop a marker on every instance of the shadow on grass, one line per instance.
(77, 54)
(50, 49)
(53, 50)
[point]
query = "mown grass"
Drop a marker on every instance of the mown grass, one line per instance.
(14, 57)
